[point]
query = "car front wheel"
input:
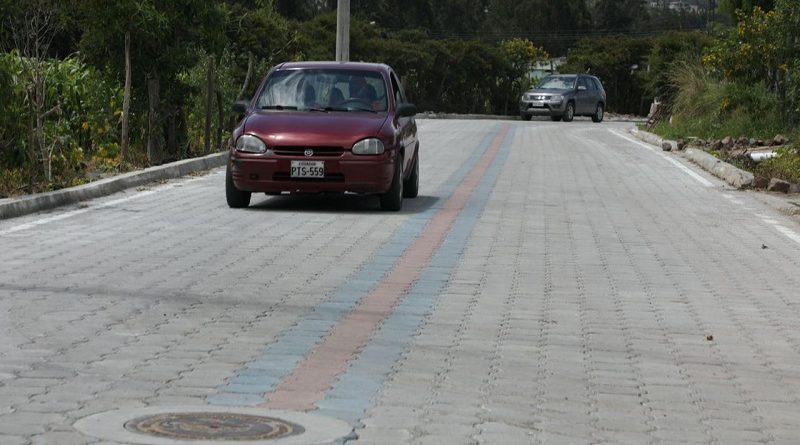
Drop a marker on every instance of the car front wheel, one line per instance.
(393, 198)
(411, 185)
(569, 113)
(599, 113)
(236, 198)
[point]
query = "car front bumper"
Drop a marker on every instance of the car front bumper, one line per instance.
(541, 108)
(345, 173)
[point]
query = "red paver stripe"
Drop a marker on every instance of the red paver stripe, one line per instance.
(315, 375)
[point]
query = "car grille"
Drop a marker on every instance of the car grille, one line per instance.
(329, 177)
(325, 152)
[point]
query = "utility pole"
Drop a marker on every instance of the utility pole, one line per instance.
(343, 31)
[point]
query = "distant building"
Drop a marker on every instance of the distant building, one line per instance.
(678, 6)
(541, 69)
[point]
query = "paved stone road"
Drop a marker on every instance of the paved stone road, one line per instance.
(554, 283)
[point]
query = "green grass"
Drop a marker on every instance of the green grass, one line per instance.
(708, 108)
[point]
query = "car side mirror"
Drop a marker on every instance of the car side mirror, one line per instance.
(581, 88)
(240, 106)
(406, 110)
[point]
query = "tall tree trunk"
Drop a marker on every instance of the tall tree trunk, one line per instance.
(31, 152)
(153, 121)
(209, 103)
(246, 82)
(220, 119)
(172, 136)
(183, 136)
(126, 101)
(39, 99)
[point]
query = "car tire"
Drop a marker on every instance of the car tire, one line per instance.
(569, 112)
(392, 200)
(411, 185)
(527, 117)
(599, 113)
(555, 118)
(236, 198)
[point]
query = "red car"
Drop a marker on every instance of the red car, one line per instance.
(317, 127)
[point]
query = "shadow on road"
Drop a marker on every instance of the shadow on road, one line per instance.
(339, 203)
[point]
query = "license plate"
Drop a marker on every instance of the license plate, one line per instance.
(308, 169)
(537, 104)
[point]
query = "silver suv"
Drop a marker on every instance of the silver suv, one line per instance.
(564, 96)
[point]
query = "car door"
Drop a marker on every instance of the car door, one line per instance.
(583, 97)
(406, 126)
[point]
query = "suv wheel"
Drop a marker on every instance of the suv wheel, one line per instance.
(569, 113)
(599, 113)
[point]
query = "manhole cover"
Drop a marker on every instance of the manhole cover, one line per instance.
(213, 426)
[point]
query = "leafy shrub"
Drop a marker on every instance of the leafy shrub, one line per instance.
(785, 166)
(668, 51)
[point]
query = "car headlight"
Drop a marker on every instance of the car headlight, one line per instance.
(557, 98)
(370, 146)
(250, 144)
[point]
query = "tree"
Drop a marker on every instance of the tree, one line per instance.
(520, 55)
(617, 15)
(32, 33)
(746, 6)
(614, 60)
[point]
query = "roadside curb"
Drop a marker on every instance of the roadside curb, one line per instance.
(14, 207)
(729, 173)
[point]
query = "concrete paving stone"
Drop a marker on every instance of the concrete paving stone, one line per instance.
(13, 440)
(442, 439)
(59, 438)
(170, 400)
(442, 429)
(622, 437)
(53, 406)
(25, 424)
(380, 436)
(625, 422)
(36, 382)
(548, 438)
(680, 435)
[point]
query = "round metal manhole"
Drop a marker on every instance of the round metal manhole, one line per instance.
(213, 426)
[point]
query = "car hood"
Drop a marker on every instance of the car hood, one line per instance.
(546, 91)
(338, 129)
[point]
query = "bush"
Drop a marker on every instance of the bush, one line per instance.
(785, 166)
(81, 129)
(669, 50)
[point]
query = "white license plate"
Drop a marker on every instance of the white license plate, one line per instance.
(308, 169)
(537, 104)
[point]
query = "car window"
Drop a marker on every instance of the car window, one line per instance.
(399, 97)
(305, 89)
(597, 84)
(590, 84)
(582, 83)
(558, 83)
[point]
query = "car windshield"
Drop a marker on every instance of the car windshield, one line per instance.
(558, 83)
(324, 90)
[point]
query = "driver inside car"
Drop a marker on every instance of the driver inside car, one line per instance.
(359, 89)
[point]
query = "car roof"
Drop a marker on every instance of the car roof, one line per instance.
(363, 66)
